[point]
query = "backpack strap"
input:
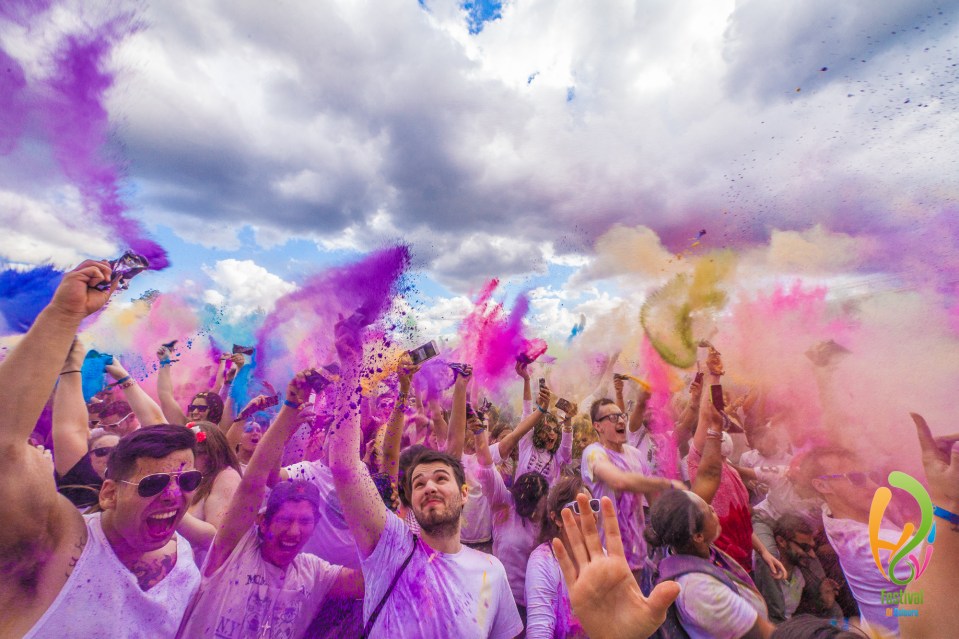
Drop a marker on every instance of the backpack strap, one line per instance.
(673, 566)
(389, 591)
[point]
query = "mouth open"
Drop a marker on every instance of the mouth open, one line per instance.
(161, 524)
(621, 429)
(289, 546)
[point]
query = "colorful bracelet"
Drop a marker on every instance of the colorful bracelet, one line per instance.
(120, 381)
(68, 372)
(287, 402)
(952, 518)
(541, 409)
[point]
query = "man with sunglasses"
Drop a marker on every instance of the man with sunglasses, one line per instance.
(614, 469)
(806, 590)
(841, 480)
(117, 574)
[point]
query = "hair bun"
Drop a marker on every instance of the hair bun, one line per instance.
(652, 537)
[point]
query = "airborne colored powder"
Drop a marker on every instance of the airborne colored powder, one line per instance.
(65, 111)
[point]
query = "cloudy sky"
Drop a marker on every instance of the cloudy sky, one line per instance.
(545, 142)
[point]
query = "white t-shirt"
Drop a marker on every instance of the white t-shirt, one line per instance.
(477, 524)
(513, 537)
(549, 614)
(331, 540)
(250, 598)
(439, 596)
(709, 609)
(102, 598)
(629, 505)
(850, 539)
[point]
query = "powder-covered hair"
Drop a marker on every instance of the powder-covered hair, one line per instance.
(528, 490)
(561, 493)
(673, 520)
(155, 442)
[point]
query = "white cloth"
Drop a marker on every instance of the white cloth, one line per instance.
(249, 598)
(331, 540)
(513, 537)
(709, 609)
(477, 527)
(549, 614)
(629, 505)
(102, 598)
(537, 460)
(439, 595)
(850, 539)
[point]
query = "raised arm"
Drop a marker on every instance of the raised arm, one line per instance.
(522, 370)
(457, 437)
(143, 406)
(708, 436)
(619, 385)
(639, 410)
(241, 514)
(71, 422)
(36, 519)
(510, 441)
(441, 429)
(171, 410)
(940, 581)
(564, 454)
(393, 438)
(621, 480)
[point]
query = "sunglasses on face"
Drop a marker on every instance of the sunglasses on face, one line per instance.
(613, 417)
(574, 506)
(249, 427)
(102, 451)
(152, 485)
(116, 423)
(198, 407)
(857, 479)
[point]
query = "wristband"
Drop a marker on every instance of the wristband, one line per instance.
(287, 402)
(952, 518)
(715, 434)
(541, 409)
(68, 372)
(126, 384)
(120, 381)
(166, 361)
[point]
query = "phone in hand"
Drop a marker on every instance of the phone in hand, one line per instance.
(424, 353)
(542, 382)
(716, 391)
(270, 402)
(698, 379)
(317, 380)
(564, 405)
(169, 345)
(243, 350)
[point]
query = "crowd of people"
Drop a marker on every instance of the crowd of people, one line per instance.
(350, 513)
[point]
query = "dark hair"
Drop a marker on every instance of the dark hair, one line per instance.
(548, 421)
(789, 524)
(561, 493)
(495, 432)
(595, 406)
(119, 407)
(219, 453)
(292, 490)
(673, 520)
(214, 403)
(527, 491)
(155, 442)
(430, 456)
(809, 627)
(406, 457)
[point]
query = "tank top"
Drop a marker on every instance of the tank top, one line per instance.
(101, 597)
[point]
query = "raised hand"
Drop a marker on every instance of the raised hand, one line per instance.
(76, 296)
(602, 591)
(522, 369)
(940, 459)
(74, 361)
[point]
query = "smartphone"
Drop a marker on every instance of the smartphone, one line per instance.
(170, 345)
(124, 269)
(243, 350)
(423, 353)
(620, 376)
(317, 381)
(697, 380)
(542, 382)
(270, 403)
(716, 390)
(564, 405)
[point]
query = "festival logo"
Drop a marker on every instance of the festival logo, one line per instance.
(911, 536)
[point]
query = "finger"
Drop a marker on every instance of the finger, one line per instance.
(575, 538)
(926, 441)
(614, 540)
(566, 565)
(662, 597)
(590, 530)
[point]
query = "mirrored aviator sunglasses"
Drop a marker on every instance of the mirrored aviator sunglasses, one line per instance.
(574, 506)
(153, 485)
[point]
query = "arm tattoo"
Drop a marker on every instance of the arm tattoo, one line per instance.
(77, 551)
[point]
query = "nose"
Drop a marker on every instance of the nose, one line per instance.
(172, 491)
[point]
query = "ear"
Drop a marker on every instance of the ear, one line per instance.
(821, 486)
(109, 494)
(465, 492)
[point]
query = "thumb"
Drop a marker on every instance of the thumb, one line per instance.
(662, 596)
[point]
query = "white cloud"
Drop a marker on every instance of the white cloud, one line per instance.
(244, 287)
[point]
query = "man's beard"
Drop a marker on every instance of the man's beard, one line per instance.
(445, 523)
